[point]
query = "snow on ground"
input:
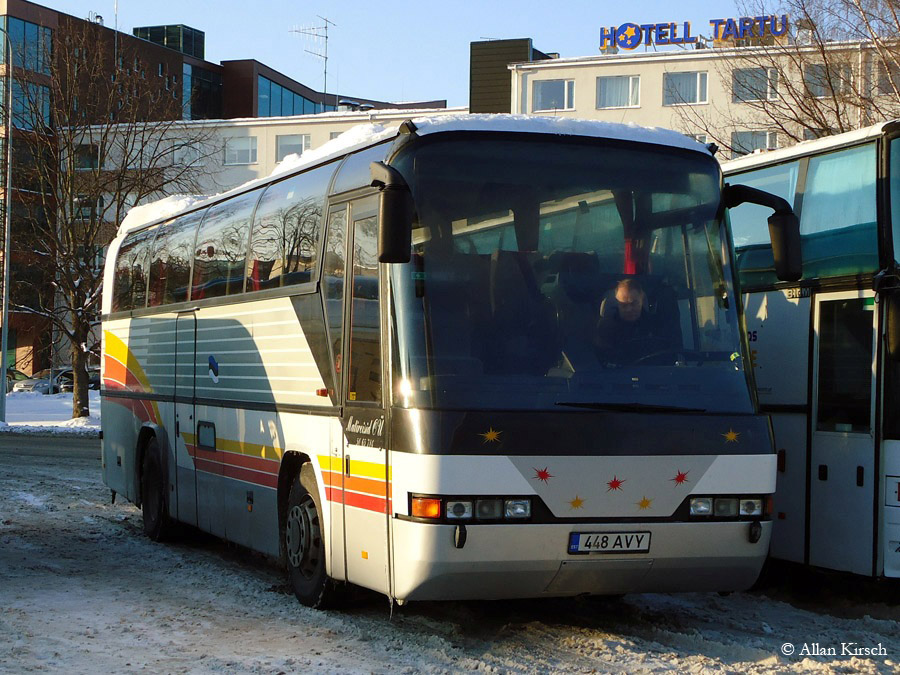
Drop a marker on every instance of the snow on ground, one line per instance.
(83, 590)
(32, 413)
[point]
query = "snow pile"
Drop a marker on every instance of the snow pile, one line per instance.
(353, 139)
(146, 213)
(566, 126)
(32, 413)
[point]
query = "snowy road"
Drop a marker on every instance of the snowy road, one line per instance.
(82, 590)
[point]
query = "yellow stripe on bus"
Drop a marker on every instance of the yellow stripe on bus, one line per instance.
(240, 447)
(117, 349)
(357, 467)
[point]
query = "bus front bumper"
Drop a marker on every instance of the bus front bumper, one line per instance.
(522, 561)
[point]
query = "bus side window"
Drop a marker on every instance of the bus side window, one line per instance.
(284, 244)
(333, 284)
(170, 260)
(130, 281)
(221, 250)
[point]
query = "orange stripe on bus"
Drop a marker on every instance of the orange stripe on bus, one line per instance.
(356, 483)
(367, 502)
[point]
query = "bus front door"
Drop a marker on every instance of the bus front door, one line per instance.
(366, 480)
(842, 454)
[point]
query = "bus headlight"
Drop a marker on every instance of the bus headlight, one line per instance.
(459, 510)
(751, 507)
(489, 509)
(701, 506)
(725, 506)
(517, 508)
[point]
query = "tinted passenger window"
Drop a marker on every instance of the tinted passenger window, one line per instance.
(837, 219)
(221, 250)
(365, 338)
(285, 238)
(130, 282)
(170, 260)
(333, 284)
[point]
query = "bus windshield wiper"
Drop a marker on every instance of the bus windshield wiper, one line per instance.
(630, 407)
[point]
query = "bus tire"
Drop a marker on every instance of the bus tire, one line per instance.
(157, 524)
(304, 542)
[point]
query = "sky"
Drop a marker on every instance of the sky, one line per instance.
(393, 51)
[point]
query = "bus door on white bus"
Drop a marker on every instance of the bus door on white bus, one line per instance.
(185, 356)
(366, 493)
(842, 453)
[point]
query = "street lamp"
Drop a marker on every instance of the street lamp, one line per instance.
(4, 329)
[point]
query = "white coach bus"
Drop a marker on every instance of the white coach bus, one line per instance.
(479, 357)
(826, 349)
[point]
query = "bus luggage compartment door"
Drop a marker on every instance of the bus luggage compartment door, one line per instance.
(842, 455)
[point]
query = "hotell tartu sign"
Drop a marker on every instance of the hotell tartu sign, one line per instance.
(632, 35)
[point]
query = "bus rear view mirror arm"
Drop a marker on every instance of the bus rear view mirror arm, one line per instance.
(395, 214)
(784, 228)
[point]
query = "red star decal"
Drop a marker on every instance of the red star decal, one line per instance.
(680, 477)
(615, 483)
(543, 475)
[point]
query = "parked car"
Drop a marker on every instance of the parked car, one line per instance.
(40, 381)
(93, 380)
(12, 376)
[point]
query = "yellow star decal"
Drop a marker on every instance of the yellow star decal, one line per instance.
(576, 503)
(644, 503)
(629, 32)
(731, 436)
(491, 436)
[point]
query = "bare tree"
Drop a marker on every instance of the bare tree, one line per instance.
(94, 135)
(837, 70)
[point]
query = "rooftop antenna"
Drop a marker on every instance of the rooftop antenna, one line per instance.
(315, 36)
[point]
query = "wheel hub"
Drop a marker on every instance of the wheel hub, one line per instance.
(302, 538)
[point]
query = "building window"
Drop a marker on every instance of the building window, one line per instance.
(754, 84)
(240, 150)
(334, 134)
(887, 78)
(187, 154)
(823, 80)
(291, 144)
(700, 138)
(682, 88)
(813, 134)
(87, 156)
(745, 142)
(619, 91)
(273, 100)
(31, 44)
(160, 69)
(553, 95)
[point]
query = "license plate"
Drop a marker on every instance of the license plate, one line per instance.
(609, 542)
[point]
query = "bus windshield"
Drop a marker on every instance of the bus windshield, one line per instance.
(565, 272)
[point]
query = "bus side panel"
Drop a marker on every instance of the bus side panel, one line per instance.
(778, 324)
(125, 347)
(789, 531)
(252, 357)
(778, 333)
(891, 519)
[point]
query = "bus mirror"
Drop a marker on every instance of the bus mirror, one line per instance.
(784, 228)
(395, 214)
(784, 231)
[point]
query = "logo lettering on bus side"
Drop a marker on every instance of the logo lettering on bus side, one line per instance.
(371, 430)
(795, 293)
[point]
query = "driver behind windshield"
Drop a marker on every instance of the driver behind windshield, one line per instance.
(626, 331)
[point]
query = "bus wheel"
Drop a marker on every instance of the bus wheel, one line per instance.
(157, 525)
(305, 543)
